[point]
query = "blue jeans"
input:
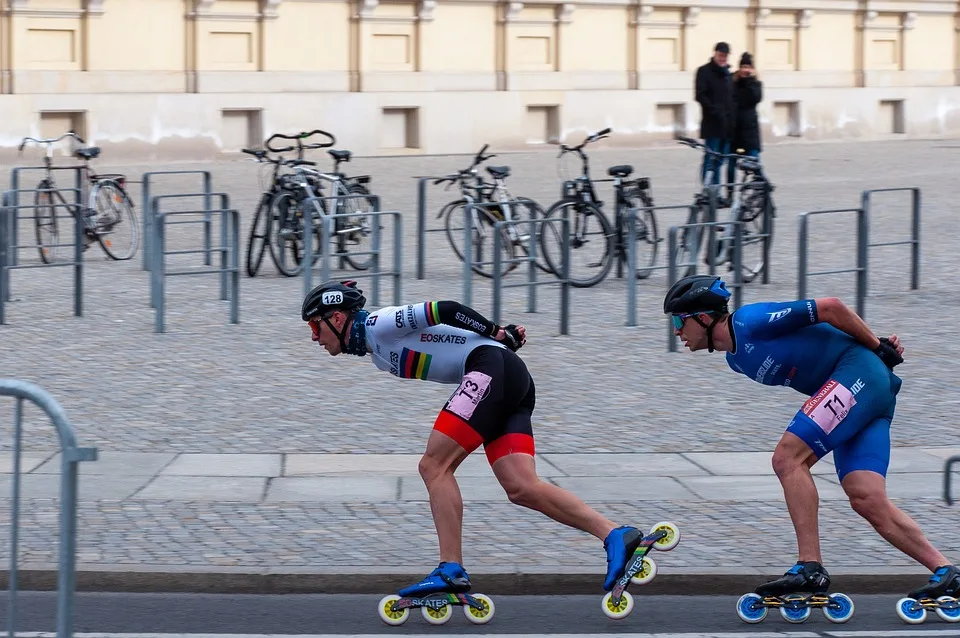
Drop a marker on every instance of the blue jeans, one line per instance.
(711, 162)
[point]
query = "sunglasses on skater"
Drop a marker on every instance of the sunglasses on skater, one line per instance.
(679, 319)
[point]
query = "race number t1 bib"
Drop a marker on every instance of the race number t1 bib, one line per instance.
(828, 407)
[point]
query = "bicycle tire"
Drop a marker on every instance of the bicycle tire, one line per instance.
(536, 212)
(357, 261)
(749, 274)
(280, 244)
(48, 255)
(647, 232)
(554, 230)
(125, 205)
(689, 243)
(486, 219)
(263, 212)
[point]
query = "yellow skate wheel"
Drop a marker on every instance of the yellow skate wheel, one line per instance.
(476, 616)
(620, 611)
(394, 618)
(648, 571)
(437, 616)
(671, 540)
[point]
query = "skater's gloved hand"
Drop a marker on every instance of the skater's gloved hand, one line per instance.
(889, 351)
(512, 336)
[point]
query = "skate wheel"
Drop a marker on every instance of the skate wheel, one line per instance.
(394, 618)
(476, 616)
(949, 609)
(839, 609)
(750, 608)
(910, 611)
(794, 615)
(648, 571)
(671, 540)
(617, 611)
(439, 616)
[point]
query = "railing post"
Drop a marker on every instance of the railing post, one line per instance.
(397, 257)
(862, 230)
(631, 266)
(497, 265)
(915, 237)
(421, 225)
(802, 258)
(671, 279)
(468, 209)
(78, 226)
(565, 286)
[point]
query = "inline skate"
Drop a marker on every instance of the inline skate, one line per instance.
(640, 569)
(938, 595)
(796, 594)
(436, 596)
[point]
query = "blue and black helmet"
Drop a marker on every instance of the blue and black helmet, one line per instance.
(697, 293)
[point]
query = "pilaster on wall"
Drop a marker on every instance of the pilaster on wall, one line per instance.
(664, 49)
(387, 50)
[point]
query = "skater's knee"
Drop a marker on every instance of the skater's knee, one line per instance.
(870, 505)
(432, 468)
(785, 461)
(522, 492)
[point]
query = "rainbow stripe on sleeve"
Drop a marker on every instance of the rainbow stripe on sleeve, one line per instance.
(414, 365)
(432, 311)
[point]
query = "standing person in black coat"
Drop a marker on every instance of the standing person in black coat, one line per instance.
(714, 92)
(747, 93)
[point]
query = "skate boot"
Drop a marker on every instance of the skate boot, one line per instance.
(620, 545)
(796, 593)
(945, 581)
(447, 577)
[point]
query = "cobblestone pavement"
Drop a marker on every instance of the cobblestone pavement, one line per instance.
(206, 386)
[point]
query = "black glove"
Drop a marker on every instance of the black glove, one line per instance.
(888, 354)
(511, 337)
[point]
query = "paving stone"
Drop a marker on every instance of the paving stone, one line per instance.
(625, 487)
(735, 488)
(205, 488)
(115, 464)
(333, 489)
(625, 465)
(224, 465)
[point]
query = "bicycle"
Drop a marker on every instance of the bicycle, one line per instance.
(306, 183)
(107, 204)
(750, 204)
(580, 197)
(495, 203)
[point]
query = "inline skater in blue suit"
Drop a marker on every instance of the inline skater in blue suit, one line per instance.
(822, 349)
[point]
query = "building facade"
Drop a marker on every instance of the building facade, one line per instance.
(193, 78)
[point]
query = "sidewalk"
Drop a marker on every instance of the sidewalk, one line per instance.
(361, 523)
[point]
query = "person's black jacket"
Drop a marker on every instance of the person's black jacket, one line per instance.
(714, 92)
(747, 93)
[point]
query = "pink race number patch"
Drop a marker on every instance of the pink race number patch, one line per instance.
(829, 406)
(473, 387)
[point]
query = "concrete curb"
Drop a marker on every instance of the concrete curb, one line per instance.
(506, 581)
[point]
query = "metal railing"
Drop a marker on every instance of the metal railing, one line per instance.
(9, 248)
(229, 250)
(860, 269)
(631, 216)
(148, 219)
(947, 472)
(15, 180)
(531, 258)
(422, 221)
(673, 266)
(327, 231)
(914, 241)
(70, 456)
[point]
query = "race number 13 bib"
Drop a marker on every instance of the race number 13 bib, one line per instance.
(829, 406)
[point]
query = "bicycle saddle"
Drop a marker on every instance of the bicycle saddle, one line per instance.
(622, 170)
(750, 165)
(499, 172)
(88, 153)
(340, 156)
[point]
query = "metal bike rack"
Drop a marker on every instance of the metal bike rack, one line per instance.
(860, 269)
(422, 221)
(9, 249)
(672, 267)
(15, 188)
(631, 216)
(914, 241)
(947, 470)
(531, 258)
(148, 220)
(327, 222)
(70, 456)
(229, 250)
(768, 215)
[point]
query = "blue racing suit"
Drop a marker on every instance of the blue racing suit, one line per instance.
(852, 392)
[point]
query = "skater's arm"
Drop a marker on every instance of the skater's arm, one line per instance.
(833, 311)
(453, 313)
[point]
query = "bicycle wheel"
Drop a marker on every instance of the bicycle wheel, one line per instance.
(585, 270)
(646, 232)
(754, 198)
(526, 209)
(689, 243)
(45, 218)
(356, 231)
(286, 233)
(115, 223)
(259, 236)
(482, 242)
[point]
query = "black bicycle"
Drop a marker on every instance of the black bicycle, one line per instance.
(751, 203)
(105, 209)
(496, 203)
(581, 206)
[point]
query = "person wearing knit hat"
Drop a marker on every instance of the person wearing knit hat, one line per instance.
(747, 94)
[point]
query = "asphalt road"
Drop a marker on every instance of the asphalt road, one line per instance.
(355, 614)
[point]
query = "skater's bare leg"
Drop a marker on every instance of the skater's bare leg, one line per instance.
(442, 458)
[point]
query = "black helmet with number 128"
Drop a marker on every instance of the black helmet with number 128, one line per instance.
(330, 296)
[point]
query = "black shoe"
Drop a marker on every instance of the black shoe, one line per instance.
(945, 581)
(808, 577)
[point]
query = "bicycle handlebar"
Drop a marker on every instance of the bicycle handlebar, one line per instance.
(593, 137)
(686, 141)
(299, 137)
(50, 142)
(478, 159)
